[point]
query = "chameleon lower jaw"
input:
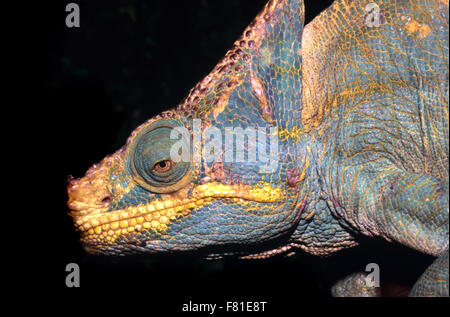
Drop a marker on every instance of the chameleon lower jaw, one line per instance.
(100, 225)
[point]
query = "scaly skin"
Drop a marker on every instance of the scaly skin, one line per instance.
(361, 115)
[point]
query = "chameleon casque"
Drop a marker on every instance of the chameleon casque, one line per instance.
(358, 102)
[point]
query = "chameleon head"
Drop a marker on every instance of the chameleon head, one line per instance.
(142, 200)
(156, 193)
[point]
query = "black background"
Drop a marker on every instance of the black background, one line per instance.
(90, 87)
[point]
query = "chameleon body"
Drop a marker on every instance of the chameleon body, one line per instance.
(356, 106)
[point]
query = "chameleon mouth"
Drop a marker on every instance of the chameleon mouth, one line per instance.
(97, 224)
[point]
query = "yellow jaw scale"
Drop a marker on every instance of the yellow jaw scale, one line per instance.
(101, 225)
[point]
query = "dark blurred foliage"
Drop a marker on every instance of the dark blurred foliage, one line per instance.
(128, 61)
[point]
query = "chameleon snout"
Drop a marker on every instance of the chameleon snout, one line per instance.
(89, 196)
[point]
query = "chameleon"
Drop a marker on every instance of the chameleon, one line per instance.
(348, 116)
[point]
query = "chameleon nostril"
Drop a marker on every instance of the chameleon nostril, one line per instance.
(106, 200)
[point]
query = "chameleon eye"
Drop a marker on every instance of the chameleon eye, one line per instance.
(163, 166)
(150, 162)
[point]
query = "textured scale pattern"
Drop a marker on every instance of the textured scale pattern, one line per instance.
(354, 285)
(388, 135)
(360, 112)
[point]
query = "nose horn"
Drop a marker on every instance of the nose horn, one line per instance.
(72, 180)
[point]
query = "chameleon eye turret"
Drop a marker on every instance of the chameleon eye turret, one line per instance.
(150, 160)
